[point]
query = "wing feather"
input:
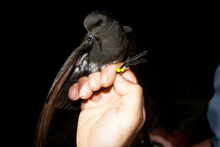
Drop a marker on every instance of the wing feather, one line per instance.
(49, 109)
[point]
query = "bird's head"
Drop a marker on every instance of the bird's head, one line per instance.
(98, 22)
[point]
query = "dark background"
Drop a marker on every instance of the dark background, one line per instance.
(180, 38)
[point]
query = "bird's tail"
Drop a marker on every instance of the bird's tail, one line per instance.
(135, 60)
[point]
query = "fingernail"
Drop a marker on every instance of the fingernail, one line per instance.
(119, 78)
(83, 91)
(104, 79)
(72, 94)
(92, 83)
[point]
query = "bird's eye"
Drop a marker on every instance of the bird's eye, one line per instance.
(100, 21)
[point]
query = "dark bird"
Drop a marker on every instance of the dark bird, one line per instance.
(106, 42)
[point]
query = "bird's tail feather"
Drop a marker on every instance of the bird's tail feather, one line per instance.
(135, 60)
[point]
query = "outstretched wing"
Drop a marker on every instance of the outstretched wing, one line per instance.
(49, 109)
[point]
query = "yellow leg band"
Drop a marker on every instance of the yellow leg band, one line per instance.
(120, 69)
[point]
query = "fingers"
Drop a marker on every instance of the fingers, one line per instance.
(73, 92)
(108, 75)
(86, 85)
(95, 81)
(80, 90)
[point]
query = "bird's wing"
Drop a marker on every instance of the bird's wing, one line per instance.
(49, 109)
(132, 43)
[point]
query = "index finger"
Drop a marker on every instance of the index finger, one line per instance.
(109, 74)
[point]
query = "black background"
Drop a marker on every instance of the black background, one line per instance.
(180, 37)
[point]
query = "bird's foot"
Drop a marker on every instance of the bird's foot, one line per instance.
(132, 61)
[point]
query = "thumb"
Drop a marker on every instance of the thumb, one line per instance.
(125, 87)
(132, 99)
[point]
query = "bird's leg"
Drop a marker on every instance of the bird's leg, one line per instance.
(91, 39)
(132, 61)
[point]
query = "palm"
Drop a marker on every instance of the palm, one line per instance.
(102, 116)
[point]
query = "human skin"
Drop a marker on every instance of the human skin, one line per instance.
(113, 110)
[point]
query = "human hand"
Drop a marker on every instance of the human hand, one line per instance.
(113, 115)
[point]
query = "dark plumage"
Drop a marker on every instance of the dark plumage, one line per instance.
(106, 42)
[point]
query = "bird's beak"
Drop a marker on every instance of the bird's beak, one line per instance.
(91, 39)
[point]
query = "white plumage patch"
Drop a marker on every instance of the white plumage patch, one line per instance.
(93, 67)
